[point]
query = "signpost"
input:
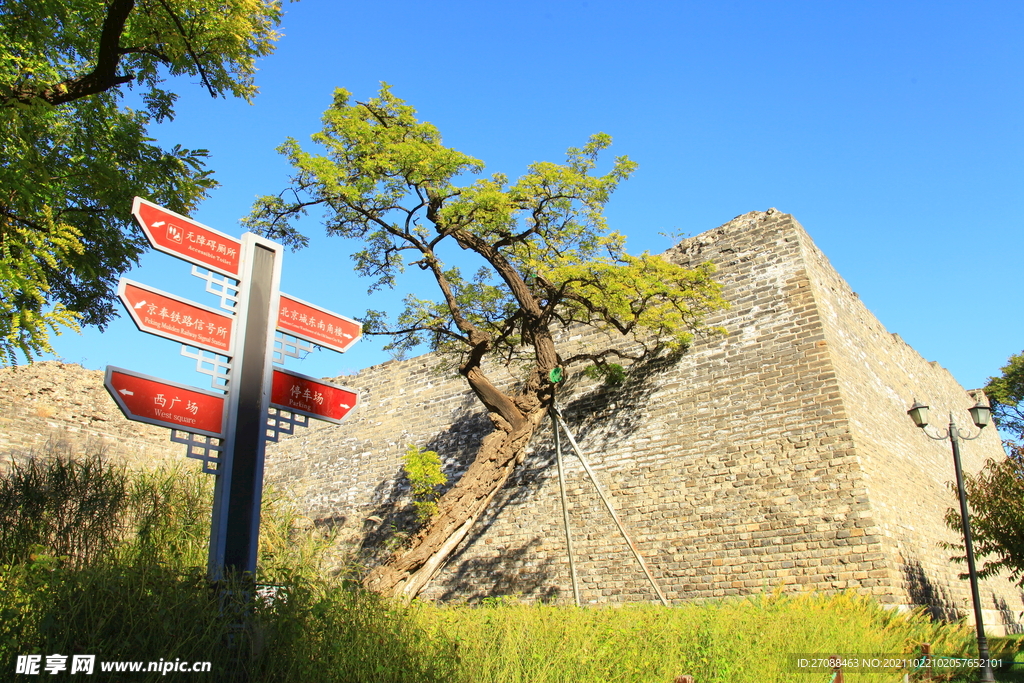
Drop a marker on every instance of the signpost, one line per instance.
(183, 238)
(166, 404)
(232, 424)
(172, 317)
(312, 323)
(312, 397)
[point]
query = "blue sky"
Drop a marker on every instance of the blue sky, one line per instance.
(891, 130)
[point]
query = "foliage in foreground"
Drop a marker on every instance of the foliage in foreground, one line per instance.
(141, 595)
(74, 155)
(995, 496)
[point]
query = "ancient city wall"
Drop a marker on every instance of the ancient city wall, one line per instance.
(733, 466)
(65, 402)
(737, 468)
(905, 473)
(778, 455)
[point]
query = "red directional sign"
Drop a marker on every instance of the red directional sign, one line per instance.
(318, 325)
(171, 317)
(313, 397)
(166, 404)
(183, 237)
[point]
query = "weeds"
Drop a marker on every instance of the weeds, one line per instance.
(99, 560)
(61, 506)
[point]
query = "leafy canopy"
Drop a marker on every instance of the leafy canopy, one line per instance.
(1005, 394)
(996, 497)
(74, 155)
(545, 251)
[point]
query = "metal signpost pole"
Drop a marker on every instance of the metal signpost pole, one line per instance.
(234, 531)
(229, 432)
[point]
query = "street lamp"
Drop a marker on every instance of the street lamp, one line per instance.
(981, 414)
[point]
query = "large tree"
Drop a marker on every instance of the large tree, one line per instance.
(546, 261)
(73, 155)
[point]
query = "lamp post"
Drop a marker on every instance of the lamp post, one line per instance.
(981, 415)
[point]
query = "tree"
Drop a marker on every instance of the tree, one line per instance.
(995, 495)
(1005, 394)
(74, 156)
(546, 258)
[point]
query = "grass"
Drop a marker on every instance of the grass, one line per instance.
(732, 641)
(95, 559)
(1009, 648)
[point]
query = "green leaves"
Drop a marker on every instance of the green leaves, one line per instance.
(423, 470)
(25, 319)
(995, 498)
(630, 293)
(548, 258)
(74, 157)
(1006, 393)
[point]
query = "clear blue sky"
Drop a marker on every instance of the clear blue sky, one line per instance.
(893, 131)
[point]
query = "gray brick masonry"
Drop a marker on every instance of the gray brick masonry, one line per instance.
(779, 455)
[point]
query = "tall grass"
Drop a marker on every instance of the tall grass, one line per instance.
(727, 642)
(98, 560)
(70, 508)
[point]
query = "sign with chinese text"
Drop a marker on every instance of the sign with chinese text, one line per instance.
(166, 404)
(171, 317)
(312, 397)
(237, 424)
(182, 237)
(318, 325)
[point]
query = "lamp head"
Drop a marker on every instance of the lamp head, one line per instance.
(919, 414)
(981, 414)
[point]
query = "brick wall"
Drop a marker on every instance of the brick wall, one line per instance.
(779, 455)
(905, 473)
(63, 401)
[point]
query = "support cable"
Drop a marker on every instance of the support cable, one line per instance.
(607, 503)
(565, 505)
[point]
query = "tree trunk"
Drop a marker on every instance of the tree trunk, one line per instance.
(515, 420)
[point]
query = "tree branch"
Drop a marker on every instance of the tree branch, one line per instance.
(599, 358)
(15, 217)
(100, 79)
(419, 328)
(374, 113)
(188, 46)
(146, 51)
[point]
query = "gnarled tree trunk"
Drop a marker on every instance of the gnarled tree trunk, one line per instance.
(516, 418)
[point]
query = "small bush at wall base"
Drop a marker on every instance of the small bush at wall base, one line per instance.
(423, 470)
